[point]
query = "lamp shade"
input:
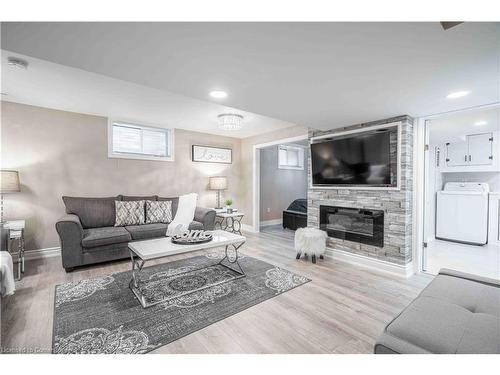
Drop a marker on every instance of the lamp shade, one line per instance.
(9, 182)
(218, 183)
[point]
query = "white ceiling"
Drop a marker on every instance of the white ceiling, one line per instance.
(50, 85)
(454, 127)
(323, 75)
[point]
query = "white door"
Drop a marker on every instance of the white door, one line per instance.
(456, 154)
(480, 149)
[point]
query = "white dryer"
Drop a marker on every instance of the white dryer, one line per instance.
(462, 212)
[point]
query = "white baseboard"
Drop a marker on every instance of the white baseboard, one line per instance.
(248, 228)
(39, 253)
(268, 223)
(376, 264)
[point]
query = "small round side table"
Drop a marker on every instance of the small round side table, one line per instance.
(16, 233)
(229, 222)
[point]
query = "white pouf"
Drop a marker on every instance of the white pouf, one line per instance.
(310, 241)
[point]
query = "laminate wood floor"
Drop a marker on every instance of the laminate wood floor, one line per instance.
(342, 310)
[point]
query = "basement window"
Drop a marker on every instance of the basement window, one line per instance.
(132, 141)
(290, 157)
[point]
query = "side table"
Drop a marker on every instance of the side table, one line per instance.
(16, 233)
(229, 222)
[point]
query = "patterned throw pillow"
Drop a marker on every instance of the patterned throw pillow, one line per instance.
(158, 212)
(129, 213)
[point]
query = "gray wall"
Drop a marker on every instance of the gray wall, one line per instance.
(247, 157)
(63, 153)
(278, 187)
(397, 204)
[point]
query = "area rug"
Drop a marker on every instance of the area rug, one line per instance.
(103, 316)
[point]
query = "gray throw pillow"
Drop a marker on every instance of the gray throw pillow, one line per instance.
(158, 212)
(129, 213)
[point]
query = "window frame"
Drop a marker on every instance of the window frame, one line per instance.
(123, 155)
(301, 157)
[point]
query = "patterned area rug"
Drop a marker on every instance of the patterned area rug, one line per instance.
(103, 316)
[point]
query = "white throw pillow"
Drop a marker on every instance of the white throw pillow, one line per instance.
(158, 212)
(129, 213)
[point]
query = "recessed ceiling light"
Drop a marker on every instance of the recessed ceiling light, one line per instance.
(17, 62)
(217, 94)
(480, 123)
(457, 94)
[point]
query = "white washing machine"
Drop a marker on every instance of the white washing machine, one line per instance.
(462, 212)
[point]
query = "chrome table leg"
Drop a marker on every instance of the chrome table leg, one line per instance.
(135, 282)
(233, 260)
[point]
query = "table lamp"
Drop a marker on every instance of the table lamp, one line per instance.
(218, 183)
(9, 183)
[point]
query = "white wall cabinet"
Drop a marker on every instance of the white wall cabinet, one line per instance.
(456, 153)
(480, 149)
(476, 150)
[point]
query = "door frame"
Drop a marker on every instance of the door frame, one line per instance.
(256, 174)
(419, 182)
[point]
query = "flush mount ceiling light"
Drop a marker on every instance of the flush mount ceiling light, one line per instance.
(457, 94)
(230, 121)
(17, 62)
(217, 94)
(480, 123)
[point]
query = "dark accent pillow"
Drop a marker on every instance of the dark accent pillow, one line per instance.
(93, 212)
(175, 204)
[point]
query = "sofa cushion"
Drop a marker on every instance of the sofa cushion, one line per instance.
(139, 198)
(93, 212)
(158, 212)
(195, 225)
(94, 237)
(452, 315)
(175, 204)
(143, 232)
(129, 213)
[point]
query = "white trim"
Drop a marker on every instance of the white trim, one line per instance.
(268, 223)
(419, 180)
(256, 176)
(362, 130)
(39, 253)
(357, 130)
(171, 143)
(248, 228)
(376, 264)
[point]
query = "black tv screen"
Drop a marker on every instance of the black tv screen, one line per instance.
(360, 159)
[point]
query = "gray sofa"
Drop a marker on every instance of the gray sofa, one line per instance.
(87, 233)
(456, 313)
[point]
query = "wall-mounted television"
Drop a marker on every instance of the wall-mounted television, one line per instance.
(360, 159)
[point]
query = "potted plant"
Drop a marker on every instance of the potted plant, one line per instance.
(229, 203)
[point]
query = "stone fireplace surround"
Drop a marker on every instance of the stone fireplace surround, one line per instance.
(396, 204)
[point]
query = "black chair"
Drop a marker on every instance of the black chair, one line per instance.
(295, 216)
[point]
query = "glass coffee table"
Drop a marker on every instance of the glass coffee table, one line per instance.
(143, 251)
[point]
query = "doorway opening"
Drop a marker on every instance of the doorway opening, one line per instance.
(283, 186)
(280, 170)
(462, 193)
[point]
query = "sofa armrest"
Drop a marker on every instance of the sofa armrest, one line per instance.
(70, 231)
(471, 277)
(206, 216)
